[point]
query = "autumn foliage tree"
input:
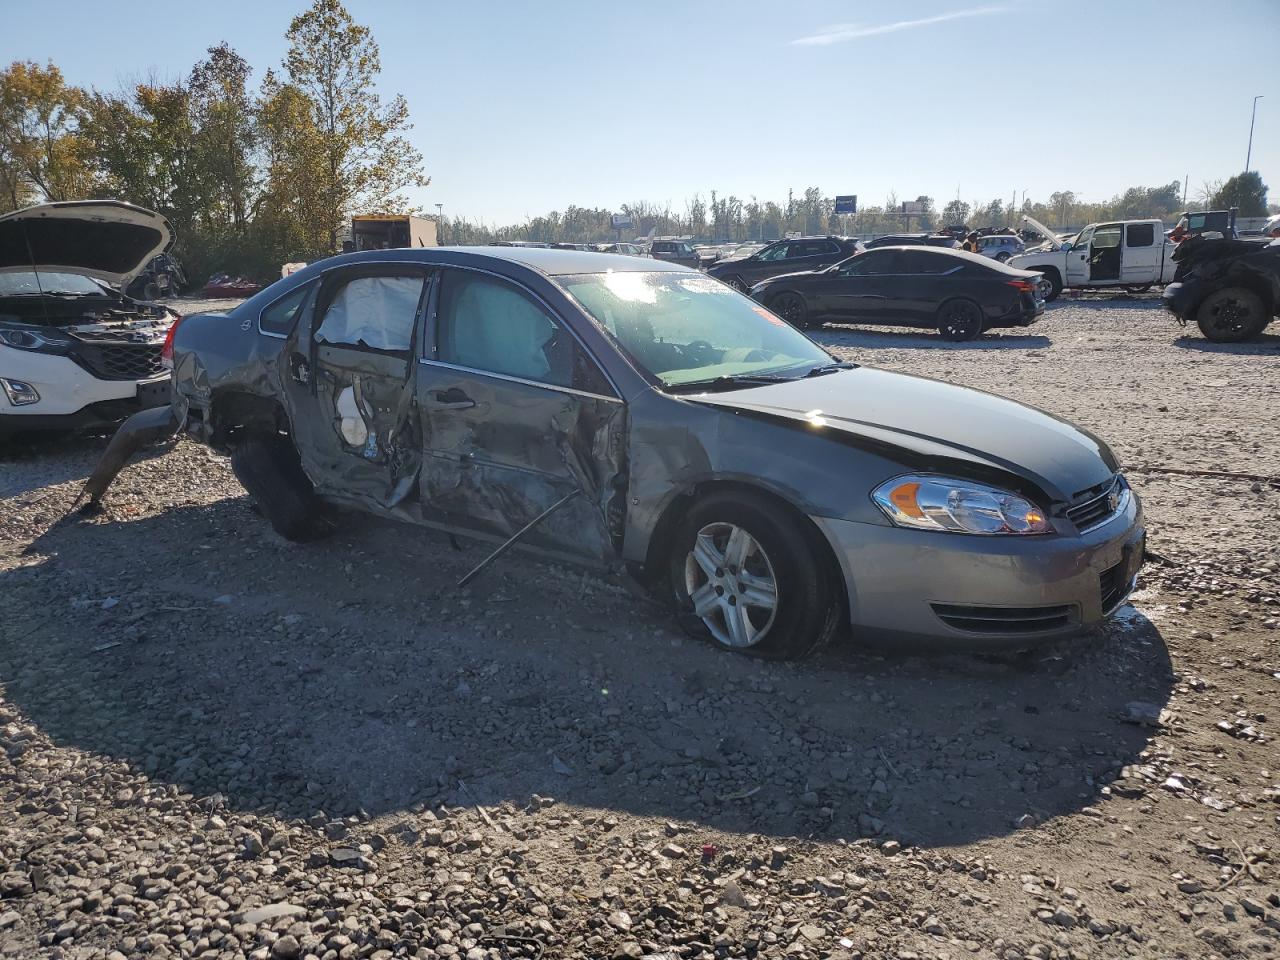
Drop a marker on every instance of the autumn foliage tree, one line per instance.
(41, 151)
(367, 161)
(247, 179)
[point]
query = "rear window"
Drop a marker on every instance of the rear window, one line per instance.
(279, 317)
(1140, 234)
(924, 261)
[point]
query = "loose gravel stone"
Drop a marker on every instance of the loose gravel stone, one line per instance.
(216, 744)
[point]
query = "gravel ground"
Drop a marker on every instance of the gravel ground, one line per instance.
(214, 743)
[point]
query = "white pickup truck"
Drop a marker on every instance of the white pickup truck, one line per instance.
(1133, 254)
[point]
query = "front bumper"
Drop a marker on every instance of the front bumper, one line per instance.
(1178, 298)
(71, 396)
(956, 591)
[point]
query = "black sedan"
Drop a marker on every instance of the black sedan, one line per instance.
(785, 256)
(959, 294)
(946, 241)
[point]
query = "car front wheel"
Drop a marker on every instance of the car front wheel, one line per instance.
(1052, 285)
(747, 577)
(1231, 315)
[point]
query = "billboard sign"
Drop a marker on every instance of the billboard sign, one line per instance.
(847, 204)
(621, 221)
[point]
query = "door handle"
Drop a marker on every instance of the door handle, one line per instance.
(453, 399)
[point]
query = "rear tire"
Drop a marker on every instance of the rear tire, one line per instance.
(791, 308)
(268, 467)
(806, 602)
(1231, 315)
(1003, 256)
(960, 320)
(1055, 282)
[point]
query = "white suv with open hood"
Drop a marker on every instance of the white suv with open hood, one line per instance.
(74, 350)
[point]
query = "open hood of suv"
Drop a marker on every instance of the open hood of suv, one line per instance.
(1040, 228)
(104, 239)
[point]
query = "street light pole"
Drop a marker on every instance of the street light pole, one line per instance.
(439, 219)
(1252, 117)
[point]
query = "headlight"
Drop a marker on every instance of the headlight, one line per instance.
(28, 338)
(958, 506)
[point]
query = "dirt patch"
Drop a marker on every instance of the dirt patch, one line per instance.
(216, 743)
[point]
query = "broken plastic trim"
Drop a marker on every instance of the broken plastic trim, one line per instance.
(140, 430)
(515, 537)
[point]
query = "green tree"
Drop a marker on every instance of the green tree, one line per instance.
(41, 151)
(955, 212)
(1244, 190)
(292, 214)
(225, 139)
(367, 161)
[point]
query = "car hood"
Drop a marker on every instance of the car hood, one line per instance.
(104, 239)
(1050, 237)
(936, 423)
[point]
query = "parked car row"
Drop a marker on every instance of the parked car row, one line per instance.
(784, 256)
(959, 294)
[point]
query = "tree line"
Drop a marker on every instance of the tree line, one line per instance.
(249, 178)
(734, 219)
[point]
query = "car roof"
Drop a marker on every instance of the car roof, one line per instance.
(547, 261)
(931, 251)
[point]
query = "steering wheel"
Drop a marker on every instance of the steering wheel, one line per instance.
(700, 348)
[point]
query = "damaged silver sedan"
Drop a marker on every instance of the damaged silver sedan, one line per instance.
(624, 412)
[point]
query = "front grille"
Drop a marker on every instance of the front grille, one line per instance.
(1096, 507)
(120, 336)
(1114, 585)
(120, 361)
(1012, 620)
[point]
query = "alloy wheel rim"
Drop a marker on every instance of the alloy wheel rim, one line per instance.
(959, 321)
(1230, 316)
(790, 307)
(730, 581)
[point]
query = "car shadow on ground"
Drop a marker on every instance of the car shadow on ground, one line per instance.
(352, 674)
(833, 335)
(1263, 345)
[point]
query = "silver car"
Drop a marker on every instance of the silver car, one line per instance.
(627, 413)
(1000, 246)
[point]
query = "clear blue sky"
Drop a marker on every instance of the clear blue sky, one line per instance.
(525, 107)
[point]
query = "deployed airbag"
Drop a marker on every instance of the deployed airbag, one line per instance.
(374, 312)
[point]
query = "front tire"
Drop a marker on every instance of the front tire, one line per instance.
(1055, 282)
(791, 308)
(737, 283)
(267, 466)
(748, 577)
(960, 320)
(1231, 315)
